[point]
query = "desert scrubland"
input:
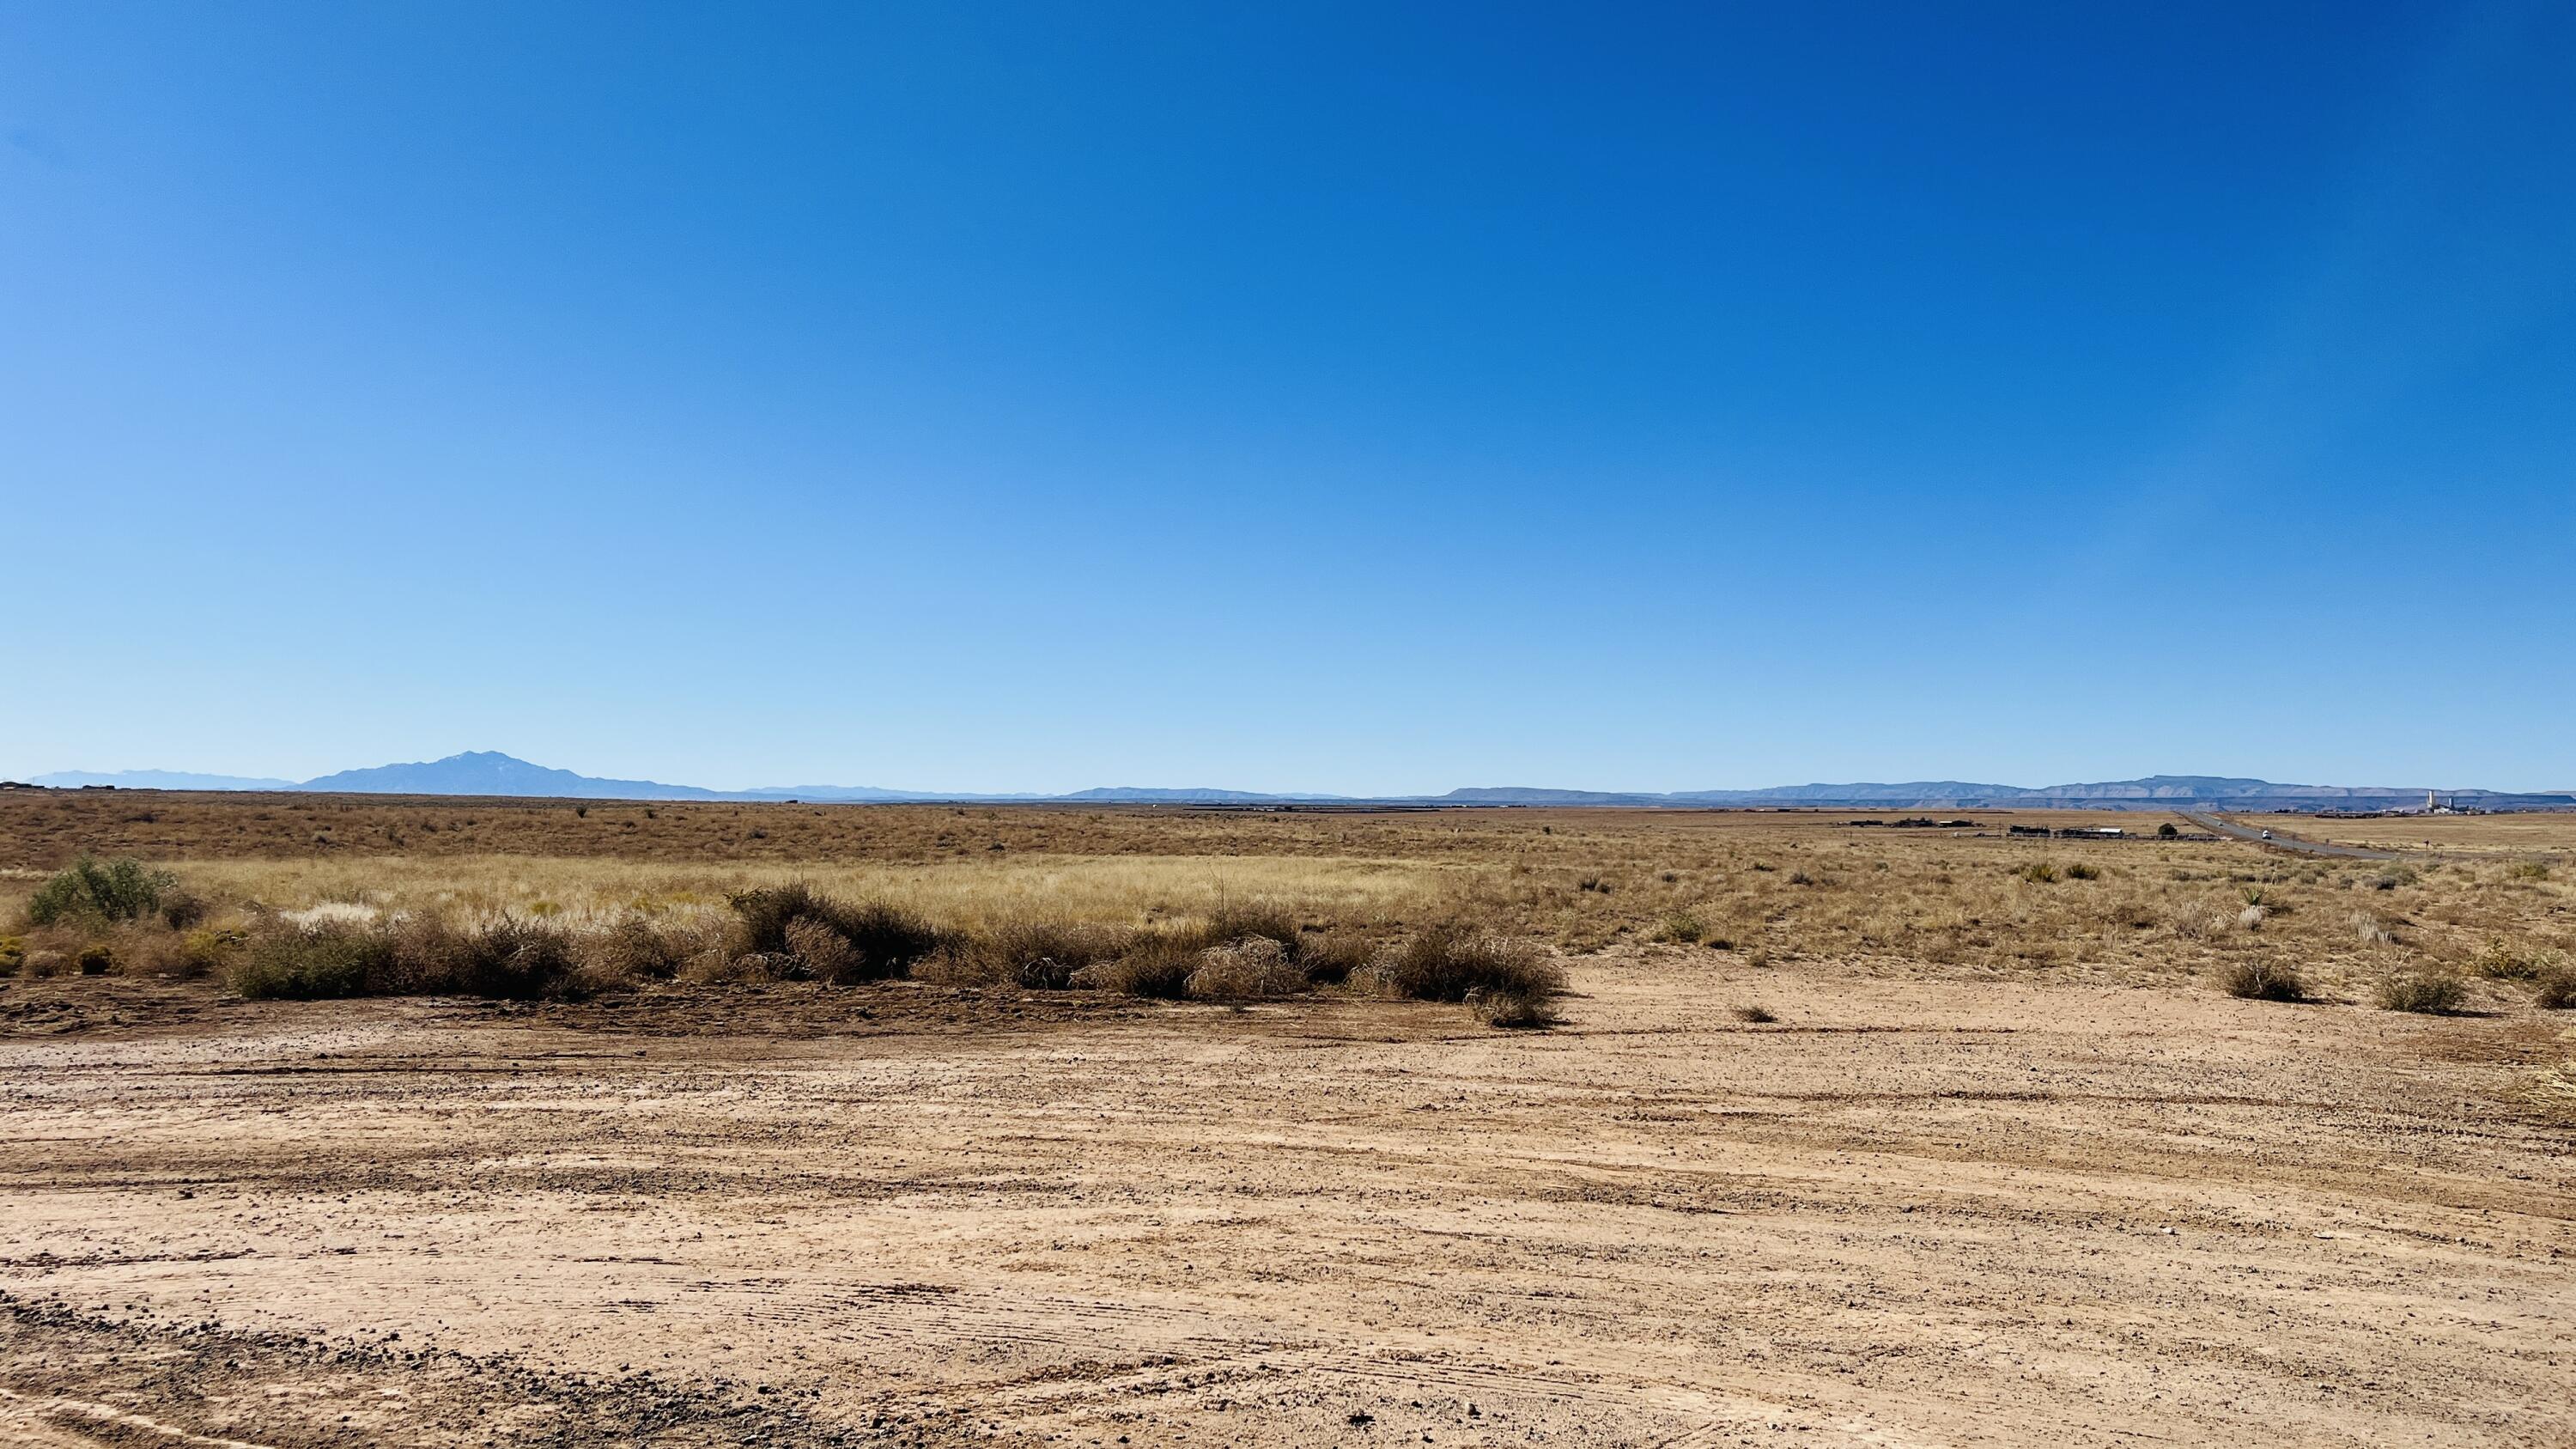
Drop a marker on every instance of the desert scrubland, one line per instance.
(717, 1124)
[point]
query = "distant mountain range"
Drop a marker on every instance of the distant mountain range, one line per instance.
(489, 773)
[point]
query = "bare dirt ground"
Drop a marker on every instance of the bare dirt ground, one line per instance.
(1915, 1213)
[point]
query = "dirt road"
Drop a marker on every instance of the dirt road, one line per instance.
(1906, 1213)
(2265, 835)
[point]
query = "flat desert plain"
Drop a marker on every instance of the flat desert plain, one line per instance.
(1929, 1148)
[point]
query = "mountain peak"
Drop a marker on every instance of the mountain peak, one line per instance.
(490, 772)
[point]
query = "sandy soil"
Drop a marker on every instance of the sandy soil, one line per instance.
(1905, 1213)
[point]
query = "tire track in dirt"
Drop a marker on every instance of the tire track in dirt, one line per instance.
(1946, 1224)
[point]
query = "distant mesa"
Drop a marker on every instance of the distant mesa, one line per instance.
(488, 772)
(155, 780)
(1137, 794)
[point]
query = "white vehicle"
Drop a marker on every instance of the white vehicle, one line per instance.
(2267, 835)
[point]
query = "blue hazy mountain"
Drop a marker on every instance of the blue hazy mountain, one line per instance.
(488, 772)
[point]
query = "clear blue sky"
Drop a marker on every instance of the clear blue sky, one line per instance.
(1361, 398)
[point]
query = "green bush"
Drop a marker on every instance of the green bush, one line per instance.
(96, 959)
(96, 891)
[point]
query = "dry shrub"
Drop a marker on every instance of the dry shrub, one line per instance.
(1032, 955)
(1155, 964)
(146, 950)
(2262, 981)
(1329, 959)
(2198, 923)
(2432, 993)
(2556, 988)
(1264, 919)
(1755, 1013)
(2136, 915)
(326, 959)
(210, 950)
(718, 967)
(2039, 872)
(181, 911)
(636, 950)
(1449, 962)
(1513, 1007)
(1254, 949)
(2499, 961)
(508, 959)
(880, 940)
(1253, 967)
(825, 953)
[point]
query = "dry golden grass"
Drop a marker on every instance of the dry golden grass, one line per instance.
(1766, 887)
(972, 894)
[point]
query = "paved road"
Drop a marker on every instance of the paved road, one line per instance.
(2285, 842)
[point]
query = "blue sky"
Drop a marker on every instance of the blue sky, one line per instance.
(1358, 398)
